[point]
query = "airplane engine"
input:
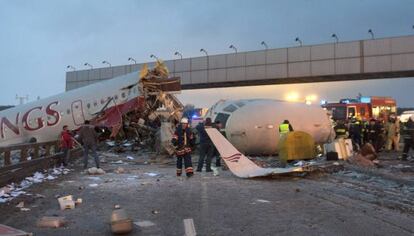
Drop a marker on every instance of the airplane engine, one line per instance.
(252, 126)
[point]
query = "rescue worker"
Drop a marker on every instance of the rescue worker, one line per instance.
(355, 132)
(391, 135)
(206, 146)
(341, 130)
(183, 140)
(285, 128)
(370, 133)
(89, 139)
(66, 143)
(408, 135)
(218, 126)
(379, 135)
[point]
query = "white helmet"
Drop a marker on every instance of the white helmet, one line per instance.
(184, 120)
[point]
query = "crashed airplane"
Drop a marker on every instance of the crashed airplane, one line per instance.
(105, 104)
(251, 125)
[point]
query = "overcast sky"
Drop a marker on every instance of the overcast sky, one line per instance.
(38, 39)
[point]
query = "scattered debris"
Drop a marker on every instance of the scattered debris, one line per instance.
(9, 192)
(130, 158)
(262, 201)
(24, 209)
(120, 170)
(120, 222)
(117, 162)
(365, 157)
(20, 205)
(151, 174)
(93, 185)
(145, 223)
(155, 212)
(78, 201)
(66, 202)
(96, 171)
(51, 222)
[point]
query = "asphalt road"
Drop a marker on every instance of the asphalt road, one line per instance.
(338, 204)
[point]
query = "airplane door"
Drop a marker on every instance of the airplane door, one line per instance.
(77, 113)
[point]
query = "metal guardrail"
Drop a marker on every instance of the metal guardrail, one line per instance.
(43, 156)
(35, 149)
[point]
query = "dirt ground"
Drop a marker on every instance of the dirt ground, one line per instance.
(354, 201)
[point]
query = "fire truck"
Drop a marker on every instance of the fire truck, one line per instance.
(362, 107)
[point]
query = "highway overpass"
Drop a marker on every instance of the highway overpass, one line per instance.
(354, 60)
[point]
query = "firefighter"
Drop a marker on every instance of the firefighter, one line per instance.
(408, 135)
(341, 130)
(392, 134)
(370, 132)
(183, 140)
(355, 132)
(285, 128)
(379, 135)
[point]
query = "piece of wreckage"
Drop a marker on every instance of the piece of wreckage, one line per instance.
(129, 100)
(250, 126)
(150, 121)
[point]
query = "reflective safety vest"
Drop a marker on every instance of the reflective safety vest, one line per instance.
(284, 128)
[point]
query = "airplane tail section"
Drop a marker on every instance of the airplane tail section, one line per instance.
(238, 163)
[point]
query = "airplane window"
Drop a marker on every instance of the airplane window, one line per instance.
(95, 103)
(109, 98)
(240, 104)
(230, 108)
(116, 97)
(223, 119)
(76, 106)
(88, 105)
(102, 101)
(68, 111)
(123, 95)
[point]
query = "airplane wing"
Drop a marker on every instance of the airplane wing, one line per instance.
(238, 163)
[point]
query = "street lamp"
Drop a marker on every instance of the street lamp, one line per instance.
(264, 44)
(105, 62)
(371, 33)
(71, 67)
(203, 50)
(233, 47)
(178, 54)
(87, 64)
(335, 37)
(132, 59)
(299, 41)
(153, 56)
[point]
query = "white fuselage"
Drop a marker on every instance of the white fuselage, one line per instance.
(252, 126)
(44, 119)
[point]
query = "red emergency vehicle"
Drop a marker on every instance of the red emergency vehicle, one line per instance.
(362, 108)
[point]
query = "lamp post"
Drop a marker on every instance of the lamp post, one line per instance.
(297, 39)
(132, 59)
(87, 64)
(264, 44)
(155, 57)
(335, 37)
(371, 33)
(71, 67)
(233, 47)
(106, 62)
(179, 54)
(203, 50)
